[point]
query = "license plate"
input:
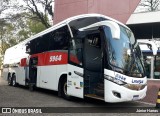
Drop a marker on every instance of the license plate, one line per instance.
(135, 97)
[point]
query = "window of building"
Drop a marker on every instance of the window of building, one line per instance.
(152, 66)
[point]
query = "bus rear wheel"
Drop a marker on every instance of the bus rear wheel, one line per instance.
(14, 83)
(9, 80)
(31, 86)
(64, 90)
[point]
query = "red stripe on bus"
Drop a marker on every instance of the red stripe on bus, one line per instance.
(51, 58)
(55, 58)
(23, 62)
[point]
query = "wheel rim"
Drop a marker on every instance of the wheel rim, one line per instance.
(65, 88)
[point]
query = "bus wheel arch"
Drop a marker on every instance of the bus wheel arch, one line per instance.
(61, 85)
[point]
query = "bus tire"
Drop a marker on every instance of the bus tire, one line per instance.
(14, 83)
(31, 87)
(9, 80)
(64, 89)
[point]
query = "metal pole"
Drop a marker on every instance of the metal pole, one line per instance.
(152, 68)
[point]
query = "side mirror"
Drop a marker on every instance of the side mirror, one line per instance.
(152, 44)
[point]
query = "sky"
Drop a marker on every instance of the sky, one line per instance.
(21, 2)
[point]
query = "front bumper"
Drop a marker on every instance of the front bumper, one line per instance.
(124, 94)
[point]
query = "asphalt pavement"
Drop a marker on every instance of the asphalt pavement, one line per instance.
(21, 97)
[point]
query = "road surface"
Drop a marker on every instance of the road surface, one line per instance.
(21, 97)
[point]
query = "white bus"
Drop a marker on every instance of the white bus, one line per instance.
(88, 55)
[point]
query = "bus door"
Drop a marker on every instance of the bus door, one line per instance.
(33, 70)
(93, 66)
(75, 80)
(26, 68)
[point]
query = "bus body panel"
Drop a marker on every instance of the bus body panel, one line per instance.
(48, 76)
(38, 76)
(75, 82)
(20, 75)
(5, 73)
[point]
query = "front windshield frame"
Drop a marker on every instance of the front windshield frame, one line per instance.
(133, 54)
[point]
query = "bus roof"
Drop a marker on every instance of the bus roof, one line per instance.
(60, 24)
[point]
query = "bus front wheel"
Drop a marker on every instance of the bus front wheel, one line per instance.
(64, 89)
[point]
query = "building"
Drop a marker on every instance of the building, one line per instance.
(120, 10)
(146, 26)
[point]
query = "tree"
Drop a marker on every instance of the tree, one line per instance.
(12, 33)
(26, 21)
(6, 34)
(40, 10)
(40, 14)
(150, 5)
(28, 27)
(3, 4)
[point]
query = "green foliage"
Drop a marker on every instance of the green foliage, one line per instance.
(35, 26)
(28, 20)
(4, 46)
(6, 32)
(23, 34)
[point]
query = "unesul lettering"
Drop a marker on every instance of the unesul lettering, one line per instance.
(137, 81)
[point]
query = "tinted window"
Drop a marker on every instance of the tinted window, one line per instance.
(55, 40)
(59, 39)
(76, 53)
(33, 46)
(42, 43)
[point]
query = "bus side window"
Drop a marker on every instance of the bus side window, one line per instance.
(59, 39)
(33, 46)
(76, 52)
(42, 43)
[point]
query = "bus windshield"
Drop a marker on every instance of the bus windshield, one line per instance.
(124, 53)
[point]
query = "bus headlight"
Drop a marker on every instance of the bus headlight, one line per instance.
(136, 87)
(112, 79)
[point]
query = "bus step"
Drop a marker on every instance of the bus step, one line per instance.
(86, 86)
(99, 92)
(95, 96)
(86, 79)
(100, 86)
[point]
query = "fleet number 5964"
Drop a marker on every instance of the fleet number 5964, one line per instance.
(55, 58)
